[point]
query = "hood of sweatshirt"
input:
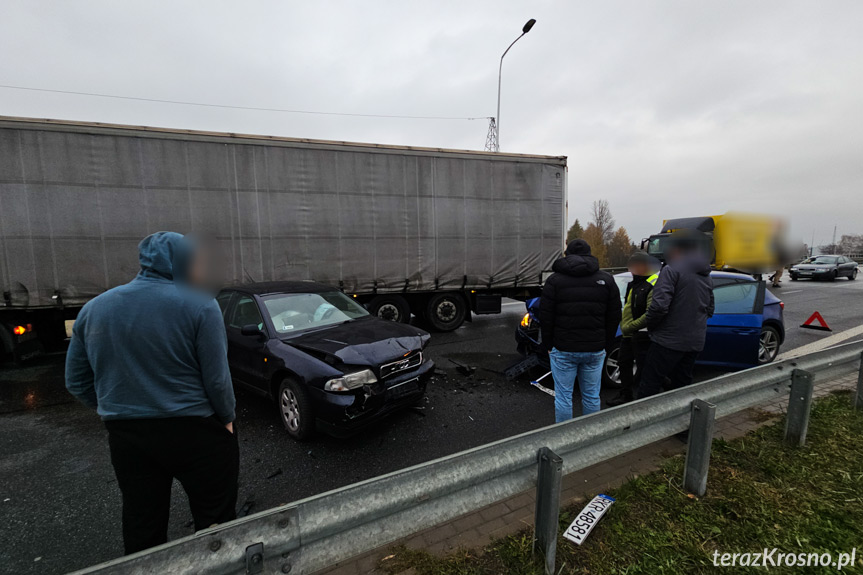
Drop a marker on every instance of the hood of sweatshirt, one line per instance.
(693, 263)
(576, 265)
(163, 255)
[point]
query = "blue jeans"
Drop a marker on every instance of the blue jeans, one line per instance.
(565, 366)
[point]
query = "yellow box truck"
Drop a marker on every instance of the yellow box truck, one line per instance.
(751, 243)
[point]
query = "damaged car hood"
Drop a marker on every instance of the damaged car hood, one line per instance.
(368, 341)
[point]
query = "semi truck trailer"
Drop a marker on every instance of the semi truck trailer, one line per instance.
(440, 234)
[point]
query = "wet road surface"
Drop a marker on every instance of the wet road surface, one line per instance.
(60, 506)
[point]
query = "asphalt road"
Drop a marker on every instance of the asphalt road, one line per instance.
(60, 506)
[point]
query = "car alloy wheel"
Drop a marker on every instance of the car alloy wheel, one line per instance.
(768, 345)
(290, 410)
(296, 409)
(612, 369)
(853, 275)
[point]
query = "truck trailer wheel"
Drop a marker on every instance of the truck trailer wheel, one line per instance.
(391, 308)
(446, 311)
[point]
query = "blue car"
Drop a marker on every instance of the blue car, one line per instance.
(747, 327)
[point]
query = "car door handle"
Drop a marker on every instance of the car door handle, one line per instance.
(744, 331)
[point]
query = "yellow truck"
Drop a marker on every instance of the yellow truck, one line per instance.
(750, 243)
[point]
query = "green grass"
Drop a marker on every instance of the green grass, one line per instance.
(760, 493)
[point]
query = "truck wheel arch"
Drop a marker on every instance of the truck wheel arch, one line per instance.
(7, 346)
(278, 377)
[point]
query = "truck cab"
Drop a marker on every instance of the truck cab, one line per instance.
(734, 241)
(656, 245)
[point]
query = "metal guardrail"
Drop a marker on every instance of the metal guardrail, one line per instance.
(317, 532)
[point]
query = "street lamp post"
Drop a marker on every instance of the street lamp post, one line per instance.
(524, 31)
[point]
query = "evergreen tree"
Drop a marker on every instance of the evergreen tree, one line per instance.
(575, 232)
(619, 248)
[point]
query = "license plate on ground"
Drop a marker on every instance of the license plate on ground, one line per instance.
(404, 388)
(587, 519)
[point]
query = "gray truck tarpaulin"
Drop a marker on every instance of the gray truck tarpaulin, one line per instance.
(76, 199)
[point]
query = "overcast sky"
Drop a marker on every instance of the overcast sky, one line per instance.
(665, 109)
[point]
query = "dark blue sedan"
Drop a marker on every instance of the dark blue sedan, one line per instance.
(747, 327)
(321, 357)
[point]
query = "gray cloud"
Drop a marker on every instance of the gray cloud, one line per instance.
(664, 108)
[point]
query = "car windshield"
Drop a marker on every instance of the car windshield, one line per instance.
(622, 280)
(823, 260)
(293, 312)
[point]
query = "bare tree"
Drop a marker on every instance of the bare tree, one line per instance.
(603, 219)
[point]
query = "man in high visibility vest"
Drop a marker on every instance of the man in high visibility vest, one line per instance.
(635, 341)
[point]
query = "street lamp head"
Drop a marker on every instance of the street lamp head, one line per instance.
(528, 26)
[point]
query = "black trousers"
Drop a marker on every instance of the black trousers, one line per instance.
(631, 359)
(665, 368)
(147, 454)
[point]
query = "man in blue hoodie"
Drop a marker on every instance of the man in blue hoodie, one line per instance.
(151, 357)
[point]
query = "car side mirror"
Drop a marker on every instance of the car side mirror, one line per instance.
(251, 330)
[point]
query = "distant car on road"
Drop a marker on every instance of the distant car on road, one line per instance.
(746, 329)
(824, 267)
(320, 356)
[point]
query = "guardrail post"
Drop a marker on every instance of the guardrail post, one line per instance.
(799, 405)
(549, 474)
(858, 397)
(701, 424)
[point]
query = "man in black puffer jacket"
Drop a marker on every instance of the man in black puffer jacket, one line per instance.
(579, 313)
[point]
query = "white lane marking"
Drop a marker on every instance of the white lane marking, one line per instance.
(787, 292)
(823, 343)
(513, 303)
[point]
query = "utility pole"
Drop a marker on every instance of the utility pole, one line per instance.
(525, 29)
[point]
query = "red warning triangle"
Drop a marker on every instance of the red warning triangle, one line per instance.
(816, 317)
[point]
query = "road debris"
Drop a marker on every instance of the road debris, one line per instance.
(465, 370)
(276, 473)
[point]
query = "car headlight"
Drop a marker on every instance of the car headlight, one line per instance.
(351, 381)
(525, 321)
